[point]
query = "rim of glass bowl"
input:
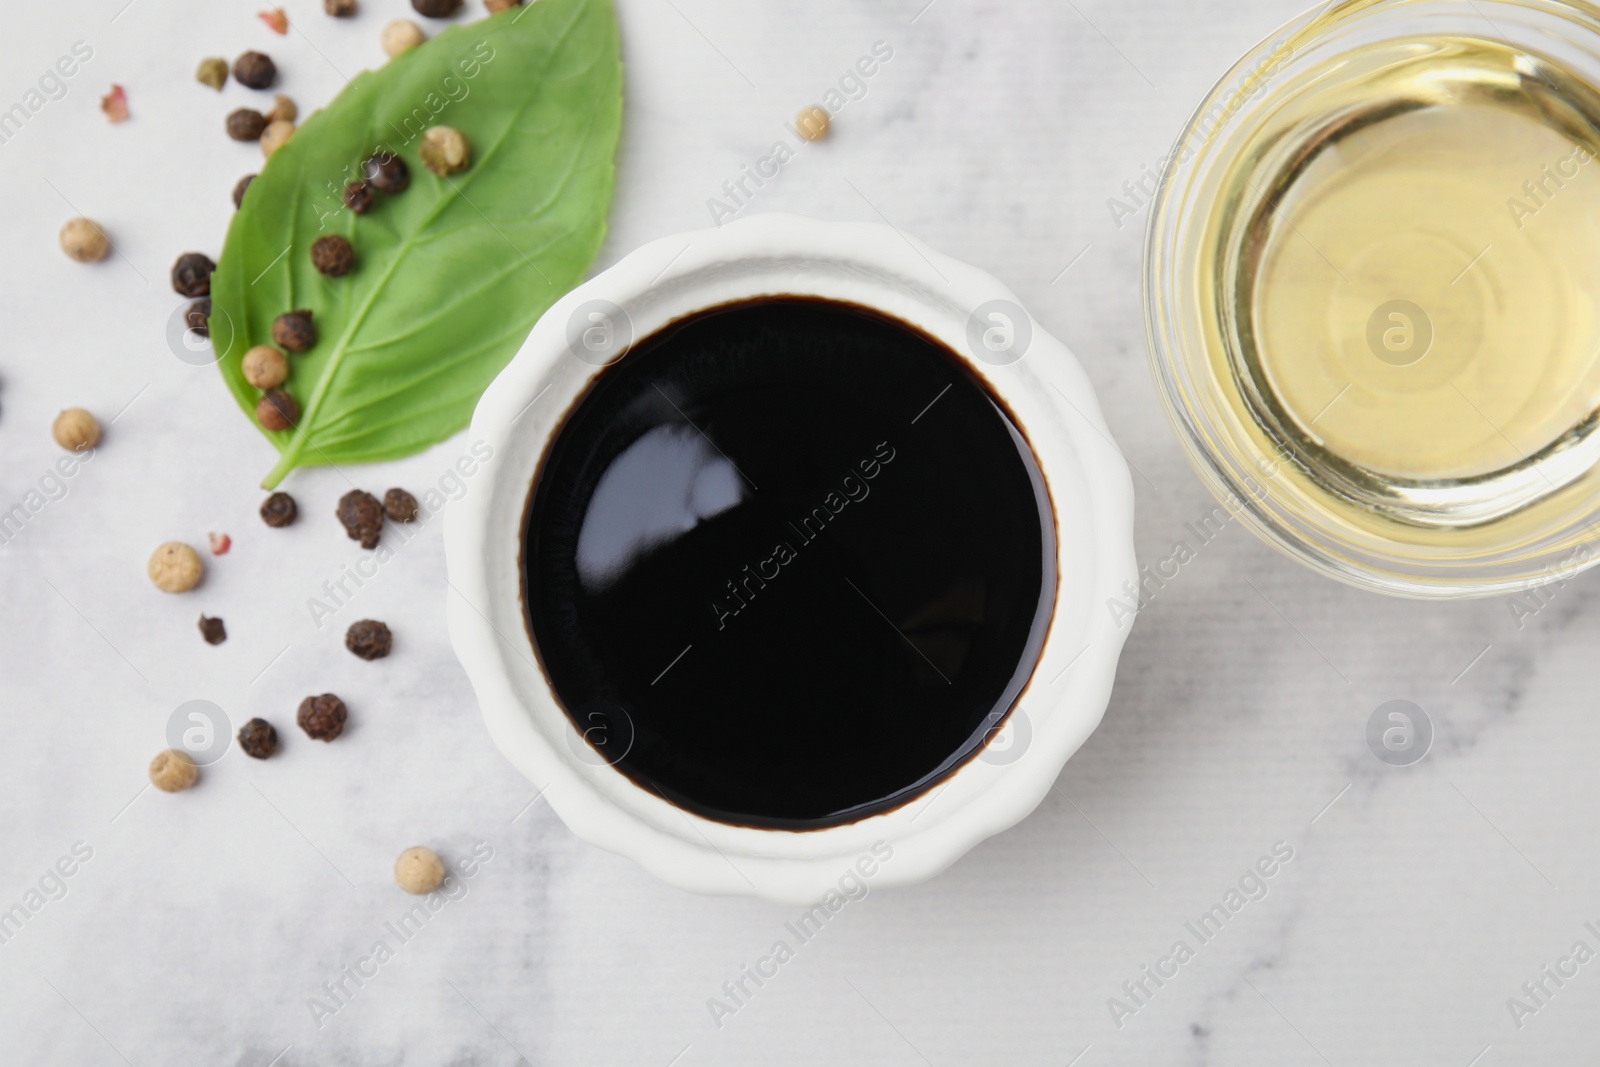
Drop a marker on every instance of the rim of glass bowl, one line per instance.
(1177, 211)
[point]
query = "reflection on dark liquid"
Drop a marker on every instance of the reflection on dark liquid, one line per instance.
(809, 606)
(659, 488)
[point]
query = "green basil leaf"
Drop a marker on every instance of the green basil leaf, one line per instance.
(452, 272)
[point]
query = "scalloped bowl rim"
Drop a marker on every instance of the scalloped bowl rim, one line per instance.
(863, 263)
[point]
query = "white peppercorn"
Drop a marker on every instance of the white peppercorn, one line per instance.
(264, 367)
(84, 240)
(419, 870)
(75, 430)
(276, 135)
(812, 123)
(173, 771)
(401, 35)
(175, 567)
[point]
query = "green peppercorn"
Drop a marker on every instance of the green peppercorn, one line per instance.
(212, 72)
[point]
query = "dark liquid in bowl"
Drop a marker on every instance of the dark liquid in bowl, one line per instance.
(788, 563)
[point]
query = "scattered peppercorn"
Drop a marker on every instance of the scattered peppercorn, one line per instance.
(386, 172)
(83, 240)
(339, 9)
(322, 717)
(419, 870)
(362, 517)
(259, 739)
(198, 317)
(279, 509)
(115, 104)
(173, 771)
(294, 330)
(220, 543)
(213, 630)
(436, 9)
(255, 69)
(369, 639)
(175, 567)
(812, 123)
(275, 136)
(264, 367)
(400, 505)
(213, 72)
(246, 124)
(444, 150)
(276, 410)
(358, 196)
(401, 35)
(75, 430)
(238, 190)
(191, 274)
(332, 255)
(283, 109)
(277, 20)
(497, 6)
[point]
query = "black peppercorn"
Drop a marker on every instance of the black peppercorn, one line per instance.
(255, 69)
(294, 330)
(276, 410)
(387, 172)
(362, 517)
(239, 188)
(246, 124)
(198, 316)
(279, 509)
(339, 9)
(212, 630)
(369, 639)
(400, 505)
(358, 196)
(191, 274)
(332, 255)
(436, 9)
(259, 739)
(322, 717)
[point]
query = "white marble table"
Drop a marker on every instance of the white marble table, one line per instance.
(201, 927)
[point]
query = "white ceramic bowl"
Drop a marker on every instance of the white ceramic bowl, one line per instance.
(1037, 378)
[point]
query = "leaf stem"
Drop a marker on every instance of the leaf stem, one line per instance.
(287, 461)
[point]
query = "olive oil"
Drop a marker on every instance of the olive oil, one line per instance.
(1401, 289)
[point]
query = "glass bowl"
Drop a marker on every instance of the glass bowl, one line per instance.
(1434, 536)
